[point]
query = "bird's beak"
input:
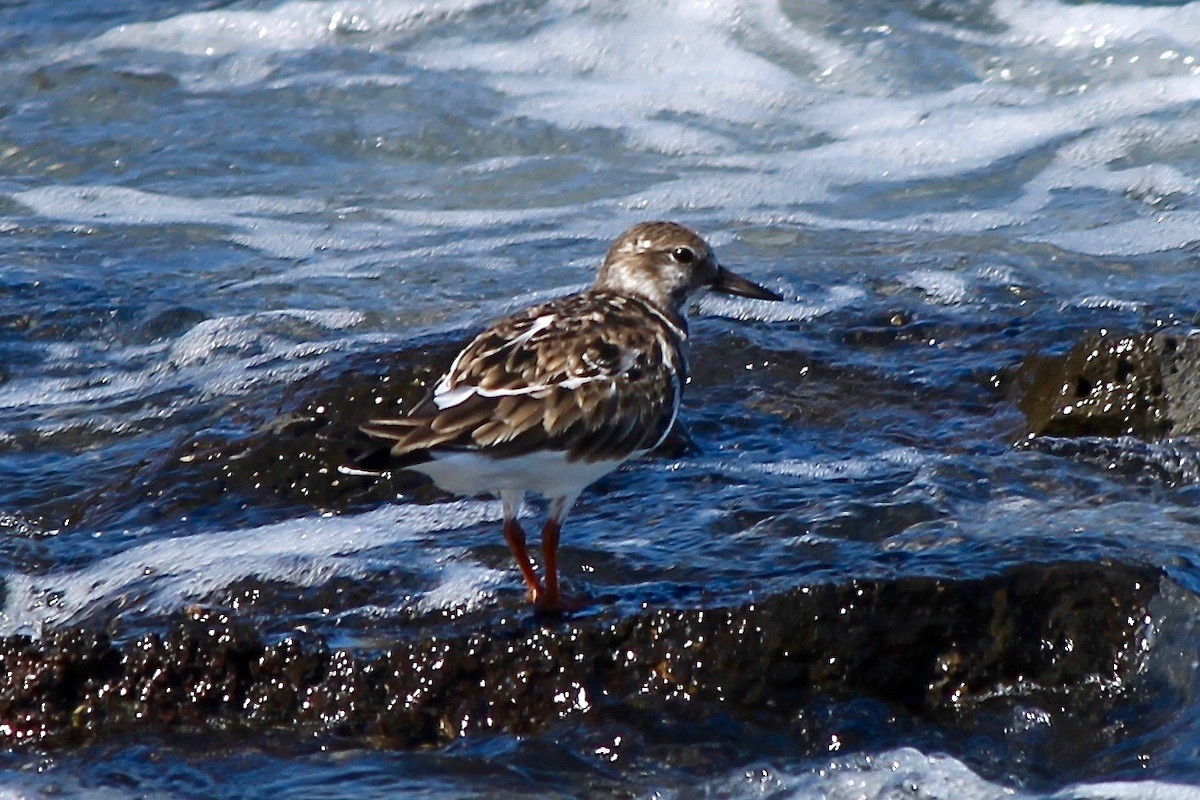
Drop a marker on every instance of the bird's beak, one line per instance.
(732, 283)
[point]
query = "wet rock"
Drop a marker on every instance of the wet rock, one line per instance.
(1143, 385)
(1066, 637)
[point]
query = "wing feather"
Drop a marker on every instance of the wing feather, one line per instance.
(465, 416)
(554, 377)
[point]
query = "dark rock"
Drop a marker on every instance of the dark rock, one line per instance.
(1143, 385)
(1066, 637)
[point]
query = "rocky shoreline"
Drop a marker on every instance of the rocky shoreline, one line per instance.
(1064, 637)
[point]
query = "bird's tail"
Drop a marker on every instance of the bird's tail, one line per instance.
(391, 429)
(381, 458)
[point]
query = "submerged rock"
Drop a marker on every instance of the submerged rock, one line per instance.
(1067, 637)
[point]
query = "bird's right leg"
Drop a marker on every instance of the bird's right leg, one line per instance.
(552, 601)
(514, 534)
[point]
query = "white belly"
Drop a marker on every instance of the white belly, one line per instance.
(544, 472)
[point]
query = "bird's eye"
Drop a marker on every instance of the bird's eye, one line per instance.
(684, 255)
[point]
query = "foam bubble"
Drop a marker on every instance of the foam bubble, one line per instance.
(942, 286)
(461, 585)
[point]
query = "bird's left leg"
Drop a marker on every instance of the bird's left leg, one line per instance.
(514, 534)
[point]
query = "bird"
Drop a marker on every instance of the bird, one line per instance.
(551, 398)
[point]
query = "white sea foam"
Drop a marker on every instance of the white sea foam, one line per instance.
(119, 204)
(219, 357)
(1170, 230)
(903, 772)
(885, 462)
(907, 772)
(616, 69)
(1095, 26)
(726, 88)
(921, 139)
(163, 575)
(880, 140)
(837, 297)
(287, 27)
(462, 585)
(252, 220)
(251, 335)
(279, 227)
(939, 285)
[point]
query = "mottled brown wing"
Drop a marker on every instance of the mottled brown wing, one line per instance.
(597, 374)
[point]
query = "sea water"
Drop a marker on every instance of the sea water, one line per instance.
(204, 205)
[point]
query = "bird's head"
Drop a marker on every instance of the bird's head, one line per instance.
(666, 263)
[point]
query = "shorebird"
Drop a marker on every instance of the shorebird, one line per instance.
(551, 398)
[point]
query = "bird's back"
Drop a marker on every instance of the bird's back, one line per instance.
(596, 375)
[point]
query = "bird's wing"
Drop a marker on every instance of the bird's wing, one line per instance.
(596, 375)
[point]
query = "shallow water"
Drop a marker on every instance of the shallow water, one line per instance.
(210, 211)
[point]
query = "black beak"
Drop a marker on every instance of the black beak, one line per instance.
(732, 283)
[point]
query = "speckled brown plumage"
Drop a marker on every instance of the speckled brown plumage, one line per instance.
(597, 375)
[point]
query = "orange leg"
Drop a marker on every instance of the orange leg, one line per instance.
(515, 536)
(553, 601)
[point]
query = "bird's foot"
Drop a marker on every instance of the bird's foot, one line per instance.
(558, 605)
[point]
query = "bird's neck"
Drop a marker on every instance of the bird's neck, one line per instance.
(669, 313)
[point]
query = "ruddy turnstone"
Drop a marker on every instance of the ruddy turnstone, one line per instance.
(550, 399)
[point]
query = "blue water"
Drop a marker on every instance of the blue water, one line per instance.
(209, 208)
